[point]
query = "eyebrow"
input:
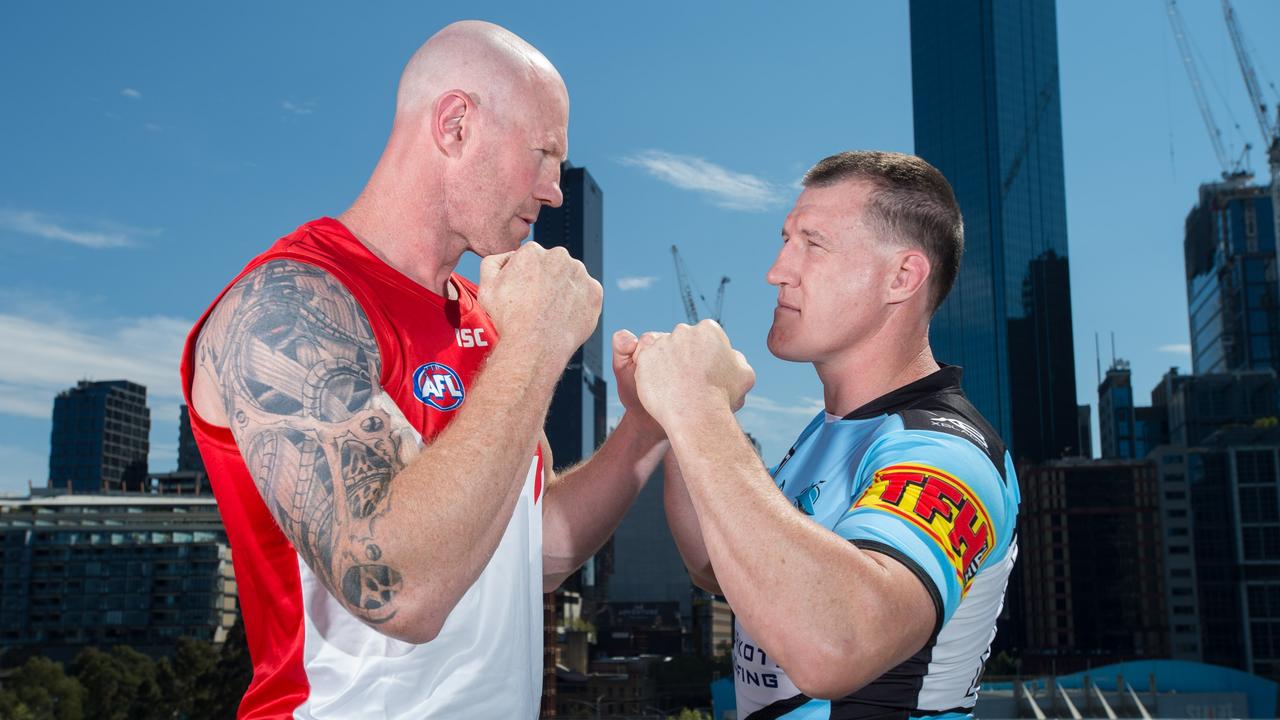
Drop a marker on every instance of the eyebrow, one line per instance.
(813, 234)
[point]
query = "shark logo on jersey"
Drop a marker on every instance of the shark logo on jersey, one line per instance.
(961, 427)
(807, 497)
(437, 385)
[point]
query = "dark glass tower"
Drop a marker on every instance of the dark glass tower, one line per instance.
(576, 421)
(1230, 251)
(987, 114)
(101, 437)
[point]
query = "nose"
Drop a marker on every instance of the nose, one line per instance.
(548, 191)
(782, 272)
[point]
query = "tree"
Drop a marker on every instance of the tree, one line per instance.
(123, 685)
(228, 679)
(41, 690)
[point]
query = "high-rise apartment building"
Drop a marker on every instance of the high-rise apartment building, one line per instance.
(1190, 408)
(101, 437)
(1234, 486)
(1230, 249)
(1091, 559)
(987, 114)
(133, 570)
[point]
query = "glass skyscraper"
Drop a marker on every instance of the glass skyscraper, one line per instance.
(100, 438)
(1230, 251)
(987, 114)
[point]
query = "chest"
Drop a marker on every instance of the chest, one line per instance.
(820, 476)
(439, 354)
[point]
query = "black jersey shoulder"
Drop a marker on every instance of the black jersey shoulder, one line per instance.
(936, 402)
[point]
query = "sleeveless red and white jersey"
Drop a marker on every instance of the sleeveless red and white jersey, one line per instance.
(313, 659)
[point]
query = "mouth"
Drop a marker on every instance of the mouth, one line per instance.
(788, 307)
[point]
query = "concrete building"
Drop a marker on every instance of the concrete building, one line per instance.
(1091, 558)
(108, 570)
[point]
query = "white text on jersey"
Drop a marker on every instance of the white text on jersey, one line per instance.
(470, 337)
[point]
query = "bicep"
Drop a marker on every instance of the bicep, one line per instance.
(933, 505)
(298, 371)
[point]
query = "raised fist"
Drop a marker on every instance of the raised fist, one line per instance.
(540, 296)
(691, 367)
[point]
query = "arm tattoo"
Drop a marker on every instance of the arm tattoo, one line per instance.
(299, 366)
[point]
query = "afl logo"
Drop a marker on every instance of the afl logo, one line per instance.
(438, 385)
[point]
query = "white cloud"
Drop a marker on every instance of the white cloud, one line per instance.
(96, 234)
(1176, 348)
(636, 283)
(131, 93)
(303, 108)
(44, 357)
(725, 188)
(804, 406)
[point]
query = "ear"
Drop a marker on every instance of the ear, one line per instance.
(910, 277)
(451, 118)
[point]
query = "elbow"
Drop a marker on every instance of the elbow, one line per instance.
(823, 677)
(415, 627)
(830, 667)
(551, 581)
(706, 580)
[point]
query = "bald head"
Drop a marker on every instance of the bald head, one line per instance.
(498, 68)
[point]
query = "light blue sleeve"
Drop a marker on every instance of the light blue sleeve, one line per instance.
(935, 503)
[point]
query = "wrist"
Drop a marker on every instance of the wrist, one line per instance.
(694, 414)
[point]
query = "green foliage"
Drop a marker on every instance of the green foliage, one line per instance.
(198, 682)
(1002, 665)
(41, 690)
(689, 714)
(123, 684)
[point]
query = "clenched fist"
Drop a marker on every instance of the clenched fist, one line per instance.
(541, 297)
(692, 367)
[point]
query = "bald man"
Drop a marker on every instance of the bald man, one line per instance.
(372, 422)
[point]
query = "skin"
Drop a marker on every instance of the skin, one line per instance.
(287, 360)
(857, 307)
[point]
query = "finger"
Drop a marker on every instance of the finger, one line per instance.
(624, 342)
(648, 339)
(490, 266)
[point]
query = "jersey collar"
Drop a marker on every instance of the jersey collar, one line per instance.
(946, 378)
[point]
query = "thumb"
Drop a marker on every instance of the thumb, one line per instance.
(624, 342)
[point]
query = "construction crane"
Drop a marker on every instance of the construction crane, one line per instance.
(1270, 131)
(687, 293)
(1230, 171)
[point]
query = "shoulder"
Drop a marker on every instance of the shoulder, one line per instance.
(952, 415)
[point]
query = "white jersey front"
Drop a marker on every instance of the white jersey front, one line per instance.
(485, 663)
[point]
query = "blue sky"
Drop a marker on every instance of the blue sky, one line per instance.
(148, 149)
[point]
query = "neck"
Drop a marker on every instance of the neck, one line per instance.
(884, 363)
(391, 219)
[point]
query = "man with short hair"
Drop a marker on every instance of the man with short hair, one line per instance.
(372, 421)
(866, 569)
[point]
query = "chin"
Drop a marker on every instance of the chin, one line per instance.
(782, 348)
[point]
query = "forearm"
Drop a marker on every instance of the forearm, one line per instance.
(584, 505)
(454, 501)
(685, 529)
(762, 549)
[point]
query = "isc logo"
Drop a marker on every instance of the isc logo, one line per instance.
(438, 385)
(469, 337)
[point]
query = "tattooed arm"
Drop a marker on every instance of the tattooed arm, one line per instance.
(395, 533)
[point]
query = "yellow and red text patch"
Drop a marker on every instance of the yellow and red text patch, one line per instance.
(946, 509)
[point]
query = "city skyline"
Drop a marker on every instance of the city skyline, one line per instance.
(141, 150)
